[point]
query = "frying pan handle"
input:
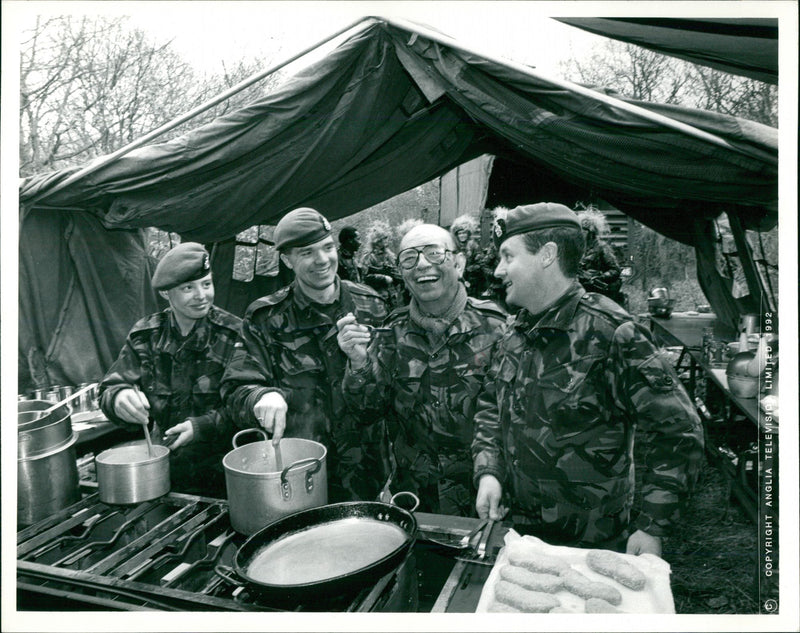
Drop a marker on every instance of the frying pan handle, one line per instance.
(228, 574)
(245, 431)
(408, 494)
(299, 464)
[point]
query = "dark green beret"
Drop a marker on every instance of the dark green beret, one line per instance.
(301, 227)
(188, 261)
(534, 217)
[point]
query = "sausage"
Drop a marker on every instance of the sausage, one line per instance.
(523, 555)
(524, 599)
(575, 582)
(598, 605)
(548, 583)
(614, 566)
(501, 607)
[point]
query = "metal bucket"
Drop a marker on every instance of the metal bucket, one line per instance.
(47, 470)
(259, 493)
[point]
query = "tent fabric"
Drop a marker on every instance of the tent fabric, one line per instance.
(383, 113)
(742, 46)
(356, 128)
(81, 288)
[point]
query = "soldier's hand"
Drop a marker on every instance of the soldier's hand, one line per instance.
(270, 411)
(353, 339)
(183, 432)
(131, 405)
(643, 543)
(487, 502)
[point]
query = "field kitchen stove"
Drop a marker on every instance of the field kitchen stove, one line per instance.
(159, 555)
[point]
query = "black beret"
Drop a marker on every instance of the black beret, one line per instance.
(301, 227)
(534, 217)
(185, 262)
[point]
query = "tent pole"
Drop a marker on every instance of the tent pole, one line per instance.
(563, 83)
(246, 83)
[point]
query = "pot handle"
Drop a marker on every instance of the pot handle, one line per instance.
(408, 494)
(244, 431)
(299, 464)
(228, 574)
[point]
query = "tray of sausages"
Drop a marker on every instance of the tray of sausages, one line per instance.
(531, 576)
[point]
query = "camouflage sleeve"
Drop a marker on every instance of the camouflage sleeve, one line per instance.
(647, 387)
(248, 376)
(488, 456)
(367, 391)
(125, 373)
(207, 426)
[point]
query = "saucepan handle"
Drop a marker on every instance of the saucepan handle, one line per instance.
(406, 493)
(262, 432)
(299, 464)
(228, 574)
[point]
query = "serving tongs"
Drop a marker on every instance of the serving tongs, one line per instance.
(460, 544)
(479, 554)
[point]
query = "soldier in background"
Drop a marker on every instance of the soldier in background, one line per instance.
(574, 377)
(167, 373)
(465, 233)
(426, 368)
(286, 375)
(348, 247)
(599, 270)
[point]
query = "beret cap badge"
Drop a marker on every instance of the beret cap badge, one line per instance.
(301, 227)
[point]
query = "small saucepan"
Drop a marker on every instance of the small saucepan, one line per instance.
(329, 550)
(128, 473)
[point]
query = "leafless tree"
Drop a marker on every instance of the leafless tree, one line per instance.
(639, 73)
(90, 85)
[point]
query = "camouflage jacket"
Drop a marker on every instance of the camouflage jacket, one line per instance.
(348, 266)
(289, 345)
(179, 375)
(430, 390)
(558, 415)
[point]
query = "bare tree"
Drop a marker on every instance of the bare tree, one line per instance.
(90, 85)
(639, 73)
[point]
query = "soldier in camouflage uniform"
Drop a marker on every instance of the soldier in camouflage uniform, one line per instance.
(169, 369)
(574, 378)
(287, 373)
(426, 367)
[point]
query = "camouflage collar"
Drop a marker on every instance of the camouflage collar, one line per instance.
(172, 340)
(302, 299)
(558, 316)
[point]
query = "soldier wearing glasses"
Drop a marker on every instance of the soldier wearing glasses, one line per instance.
(426, 367)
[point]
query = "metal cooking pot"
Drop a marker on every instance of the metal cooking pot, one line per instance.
(127, 474)
(374, 537)
(259, 492)
(47, 471)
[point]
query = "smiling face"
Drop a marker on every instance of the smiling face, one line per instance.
(434, 286)
(522, 274)
(191, 301)
(314, 266)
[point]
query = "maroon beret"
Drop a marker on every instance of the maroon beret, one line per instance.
(301, 227)
(534, 217)
(187, 261)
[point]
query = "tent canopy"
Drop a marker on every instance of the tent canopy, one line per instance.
(389, 109)
(742, 46)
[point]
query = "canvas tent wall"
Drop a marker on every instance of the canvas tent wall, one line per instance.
(396, 105)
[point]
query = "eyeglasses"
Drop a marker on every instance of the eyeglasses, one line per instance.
(435, 254)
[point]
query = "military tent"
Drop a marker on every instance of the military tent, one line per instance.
(393, 106)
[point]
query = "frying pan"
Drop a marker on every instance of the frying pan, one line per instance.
(309, 526)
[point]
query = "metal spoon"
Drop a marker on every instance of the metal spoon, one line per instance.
(150, 451)
(278, 456)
